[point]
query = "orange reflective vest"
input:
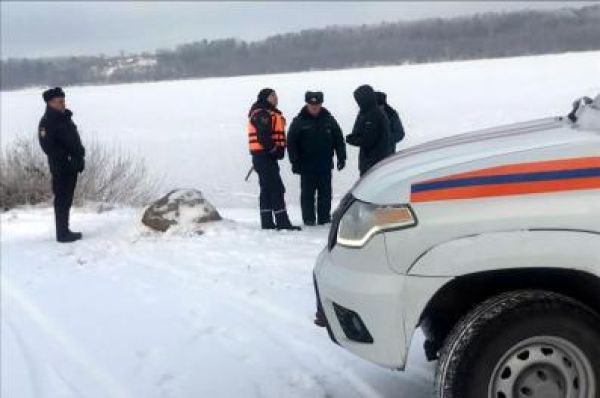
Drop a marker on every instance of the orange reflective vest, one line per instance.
(277, 132)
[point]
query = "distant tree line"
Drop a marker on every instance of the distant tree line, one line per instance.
(487, 35)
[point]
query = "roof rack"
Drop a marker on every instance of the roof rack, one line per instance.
(586, 113)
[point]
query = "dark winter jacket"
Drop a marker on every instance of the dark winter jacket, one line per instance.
(60, 141)
(371, 132)
(312, 141)
(396, 128)
(262, 121)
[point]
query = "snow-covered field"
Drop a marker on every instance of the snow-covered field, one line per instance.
(193, 132)
(128, 313)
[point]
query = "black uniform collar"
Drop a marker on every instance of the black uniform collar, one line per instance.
(67, 114)
(305, 115)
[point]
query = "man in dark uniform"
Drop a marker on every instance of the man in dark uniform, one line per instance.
(267, 141)
(313, 138)
(396, 128)
(371, 131)
(60, 141)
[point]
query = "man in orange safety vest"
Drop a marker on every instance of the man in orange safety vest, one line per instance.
(266, 141)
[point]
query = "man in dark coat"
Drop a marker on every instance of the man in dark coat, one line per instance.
(266, 136)
(60, 141)
(396, 128)
(371, 131)
(313, 138)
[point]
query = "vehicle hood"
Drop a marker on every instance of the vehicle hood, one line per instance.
(539, 140)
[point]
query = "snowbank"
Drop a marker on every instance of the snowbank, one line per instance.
(124, 313)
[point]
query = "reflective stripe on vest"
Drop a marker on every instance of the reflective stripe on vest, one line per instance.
(277, 132)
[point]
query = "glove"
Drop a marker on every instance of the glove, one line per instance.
(277, 153)
(341, 164)
(80, 165)
(296, 168)
(352, 139)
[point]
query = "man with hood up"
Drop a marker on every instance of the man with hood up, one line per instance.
(396, 128)
(371, 131)
(313, 139)
(60, 141)
(267, 142)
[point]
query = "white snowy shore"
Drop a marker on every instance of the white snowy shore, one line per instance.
(130, 313)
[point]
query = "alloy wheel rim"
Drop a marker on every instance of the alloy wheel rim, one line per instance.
(543, 367)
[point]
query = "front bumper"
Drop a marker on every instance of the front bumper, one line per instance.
(368, 292)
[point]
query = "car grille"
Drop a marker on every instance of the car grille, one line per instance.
(345, 203)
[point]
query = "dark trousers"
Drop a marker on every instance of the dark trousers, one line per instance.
(271, 186)
(319, 185)
(63, 187)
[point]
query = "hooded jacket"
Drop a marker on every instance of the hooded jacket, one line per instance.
(371, 131)
(60, 141)
(312, 141)
(396, 127)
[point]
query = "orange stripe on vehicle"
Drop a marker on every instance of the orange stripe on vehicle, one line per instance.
(483, 191)
(532, 167)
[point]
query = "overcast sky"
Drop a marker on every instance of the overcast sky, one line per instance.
(51, 28)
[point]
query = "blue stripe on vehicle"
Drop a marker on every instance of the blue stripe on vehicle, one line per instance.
(507, 179)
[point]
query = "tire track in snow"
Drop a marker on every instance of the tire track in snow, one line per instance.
(27, 357)
(229, 342)
(359, 384)
(299, 347)
(103, 380)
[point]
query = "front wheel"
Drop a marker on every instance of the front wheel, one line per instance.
(523, 344)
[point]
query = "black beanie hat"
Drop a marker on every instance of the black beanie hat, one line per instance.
(264, 94)
(51, 93)
(313, 97)
(381, 97)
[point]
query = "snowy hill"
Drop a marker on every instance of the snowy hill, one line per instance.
(128, 313)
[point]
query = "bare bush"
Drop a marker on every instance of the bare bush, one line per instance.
(111, 176)
(24, 175)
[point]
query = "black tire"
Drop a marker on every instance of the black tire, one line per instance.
(478, 343)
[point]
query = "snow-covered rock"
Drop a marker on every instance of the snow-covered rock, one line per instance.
(185, 208)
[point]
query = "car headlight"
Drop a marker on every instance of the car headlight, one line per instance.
(364, 220)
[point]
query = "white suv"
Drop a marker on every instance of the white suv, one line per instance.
(488, 241)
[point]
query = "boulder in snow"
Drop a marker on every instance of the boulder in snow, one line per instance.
(181, 207)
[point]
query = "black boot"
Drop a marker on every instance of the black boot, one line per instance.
(325, 220)
(266, 220)
(320, 319)
(63, 233)
(69, 237)
(284, 223)
(61, 221)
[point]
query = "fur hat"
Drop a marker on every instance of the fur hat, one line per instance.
(313, 97)
(51, 93)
